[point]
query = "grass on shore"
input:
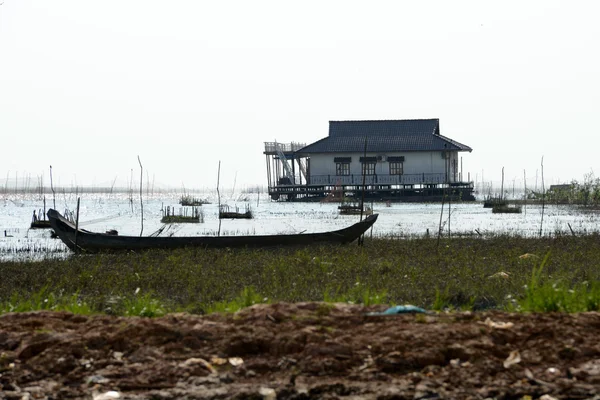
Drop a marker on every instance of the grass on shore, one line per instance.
(504, 272)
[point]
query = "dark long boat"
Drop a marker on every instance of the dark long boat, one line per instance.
(86, 241)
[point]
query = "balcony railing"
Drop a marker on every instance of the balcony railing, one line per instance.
(405, 179)
(273, 147)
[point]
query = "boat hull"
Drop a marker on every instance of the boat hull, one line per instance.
(86, 241)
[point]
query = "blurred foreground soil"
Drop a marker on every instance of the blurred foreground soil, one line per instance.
(301, 351)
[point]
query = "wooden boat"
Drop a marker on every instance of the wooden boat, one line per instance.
(83, 240)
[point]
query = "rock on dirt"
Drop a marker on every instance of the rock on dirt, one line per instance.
(301, 351)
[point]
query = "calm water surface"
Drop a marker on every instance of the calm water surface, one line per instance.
(101, 212)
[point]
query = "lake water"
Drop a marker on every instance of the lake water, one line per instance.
(101, 212)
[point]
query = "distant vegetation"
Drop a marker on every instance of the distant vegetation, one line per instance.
(586, 193)
(502, 272)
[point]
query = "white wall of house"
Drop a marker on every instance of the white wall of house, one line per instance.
(322, 167)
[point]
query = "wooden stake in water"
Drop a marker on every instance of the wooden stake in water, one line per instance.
(443, 198)
(502, 186)
(362, 199)
(364, 173)
(52, 187)
(141, 202)
(543, 198)
(77, 224)
(449, 210)
(219, 196)
(441, 216)
(525, 195)
(131, 190)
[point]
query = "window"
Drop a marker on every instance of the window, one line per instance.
(396, 165)
(342, 168)
(369, 168)
(396, 168)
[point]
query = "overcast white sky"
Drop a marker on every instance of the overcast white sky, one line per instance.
(87, 86)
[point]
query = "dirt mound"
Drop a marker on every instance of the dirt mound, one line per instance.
(301, 351)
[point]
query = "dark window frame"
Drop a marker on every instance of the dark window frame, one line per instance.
(368, 168)
(342, 168)
(396, 168)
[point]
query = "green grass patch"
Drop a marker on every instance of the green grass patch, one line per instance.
(44, 299)
(143, 306)
(544, 295)
(457, 274)
(248, 297)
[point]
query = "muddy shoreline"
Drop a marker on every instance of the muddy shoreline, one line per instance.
(301, 351)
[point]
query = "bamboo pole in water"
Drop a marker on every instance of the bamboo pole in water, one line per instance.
(543, 197)
(525, 193)
(449, 195)
(52, 187)
(502, 186)
(141, 202)
(219, 197)
(362, 199)
(77, 224)
(364, 173)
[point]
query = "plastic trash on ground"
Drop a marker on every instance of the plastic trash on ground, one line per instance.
(405, 309)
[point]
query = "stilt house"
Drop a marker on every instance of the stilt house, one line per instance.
(388, 159)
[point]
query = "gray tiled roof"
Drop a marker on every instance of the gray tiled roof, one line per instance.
(384, 136)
